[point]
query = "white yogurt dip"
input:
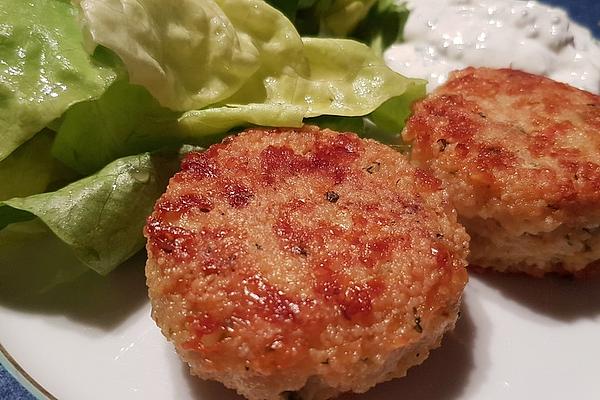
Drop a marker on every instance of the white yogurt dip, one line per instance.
(445, 35)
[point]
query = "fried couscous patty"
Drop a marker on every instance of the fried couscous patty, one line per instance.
(303, 261)
(520, 155)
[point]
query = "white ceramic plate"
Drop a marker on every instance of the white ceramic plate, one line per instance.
(518, 338)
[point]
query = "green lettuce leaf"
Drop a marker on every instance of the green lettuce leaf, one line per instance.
(342, 17)
(345, 78)
(289, 8)
(43, 68)
(378, 23)
(188, 54)
(383, 25)
(125, 120)
(255, 56)
(384, 124)
(388, 120)
(31, 168)
(211, 122)
(9, 216)
(297, 79)
(331, 18)
(33, 260)
(101, 217)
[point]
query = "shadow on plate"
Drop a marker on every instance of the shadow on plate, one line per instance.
(561, 298)
(207, 390)
(449, 367)
(102, 302)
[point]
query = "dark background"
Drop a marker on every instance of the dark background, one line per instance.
(586, 12)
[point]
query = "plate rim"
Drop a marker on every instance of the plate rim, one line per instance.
(14, 369)
(39, 392)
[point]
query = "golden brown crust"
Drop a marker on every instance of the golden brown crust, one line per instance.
(516, 148)
(286, 254)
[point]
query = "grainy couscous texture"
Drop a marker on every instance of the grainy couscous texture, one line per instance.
(303, 263)
(520, 155)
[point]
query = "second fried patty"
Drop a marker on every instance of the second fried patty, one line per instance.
(303, 260)
(520, 155)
